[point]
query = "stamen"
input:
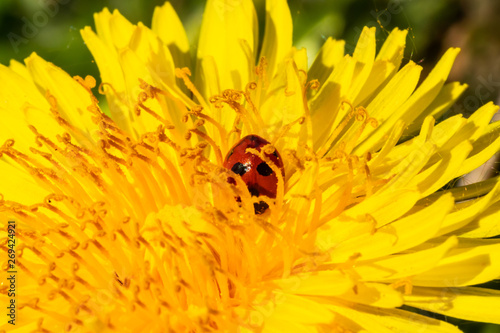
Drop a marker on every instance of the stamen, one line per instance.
(361, 114)
(247, 50)
(262, 82)
(232, 97)
(197, 111)
(285, 128)
(103, 92)
(343, 197)
(167, 124)
(252, 86)
(313, 85)
(315, 220)
(338, 129)
(184, 73)
(235, 129)
(246, 93)
(55, 110)
(405, 283)
(87, 84)
(368, 183)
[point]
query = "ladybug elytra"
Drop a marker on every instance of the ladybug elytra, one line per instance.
(257, 174)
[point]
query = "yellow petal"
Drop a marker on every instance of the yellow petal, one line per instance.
(438, 174)
(480, 120)
(475, 304)
(167, 25)
(384, 207)
(429, 88)
(393, 48)
(382, 320)
(111, 73)
(20, 69)
(364, 55)
(72, 99)
(487, 224)
(229, 35)
(27, 101)
(286, 107)
(400, 235)
(484, 147)
(299, 56)
(395, 92)
(474, 261)
(462, 217)
(169, 110)
(325, 106)
(114, 29)
(324, 283)
(294, 310)
(155, 58)
(387, 102)
(420, 226)
(400, 266)
(385, 66)
(443, 136)
(417, 103)
(328, 57)
(379, 164)
(374, 294)
(277, 41)
(409, 167)
(443, 101)
(153, 54)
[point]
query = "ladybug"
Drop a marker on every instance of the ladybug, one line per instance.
(257, 174)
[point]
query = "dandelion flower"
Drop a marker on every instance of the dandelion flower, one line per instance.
(126, 221)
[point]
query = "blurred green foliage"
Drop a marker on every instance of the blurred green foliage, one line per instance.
(57, 38)
(52, 29)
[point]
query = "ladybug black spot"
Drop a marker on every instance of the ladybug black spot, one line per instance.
(253, 191)
(260, 207)
(264, 169)
(239, 168)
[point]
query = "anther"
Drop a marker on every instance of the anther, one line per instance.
(105, 84)
(360, 113)
(8, 143)
(314, 84)
(142, 97)
(373, 122)
(137, 110)
(251, 86)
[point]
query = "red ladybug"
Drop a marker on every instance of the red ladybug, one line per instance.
(257, 174)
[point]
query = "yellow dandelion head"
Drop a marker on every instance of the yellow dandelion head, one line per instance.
(129, 217)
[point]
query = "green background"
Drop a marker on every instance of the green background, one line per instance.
(434, 26)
